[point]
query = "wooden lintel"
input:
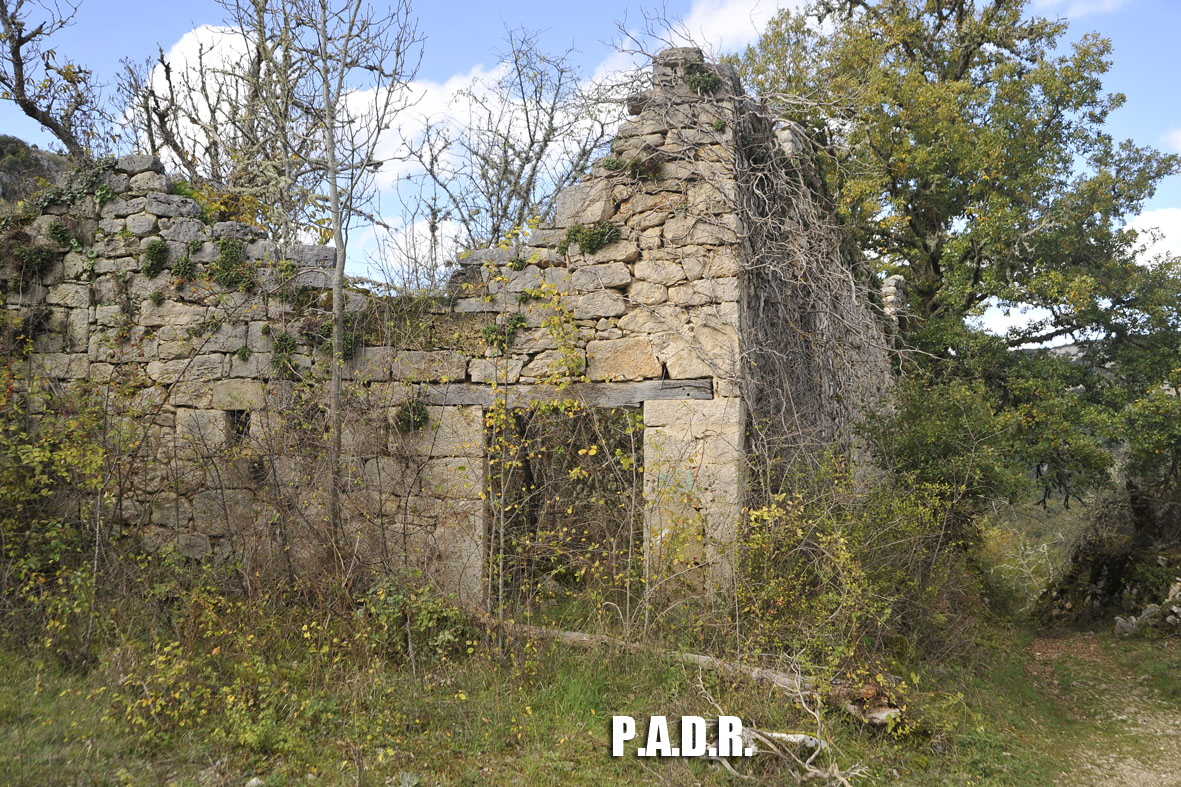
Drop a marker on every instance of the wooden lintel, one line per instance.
(591, 394)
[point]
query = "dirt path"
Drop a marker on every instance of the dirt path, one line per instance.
(1134, 735)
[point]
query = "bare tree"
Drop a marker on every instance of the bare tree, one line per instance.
(362, 62)
(519, 140)
(60, 95)
(292, 122)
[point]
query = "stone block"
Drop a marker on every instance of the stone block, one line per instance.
(141, 224)
(122, 206)
(220, 511)
(172, 205)
(453, 478)
(621, 251)
(659, 319)
(647, 293)
(500, 370)
(702, 231)
(202, 367)
(200, 431)
(238, 394)
(172, 313)
(559, 278)
(149, 181)
(597, 277)
(170, 510)
(705, 291)
(182, 230)
(584, 203)
(554, 363)
(238, 231)
(64, 366)
(72, 296)
(603, 303)
(449, 432)
(622, 359)
(695, 416)
(193, 545)
(420, 366)
(660, 271)
(135, 163)
(701, 350)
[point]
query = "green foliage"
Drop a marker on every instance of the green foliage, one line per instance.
(231, 269)
(59, 234)
(185, 270)
(501, 336)
(32, 261)
(412, 416)
(718, 125)
(206, 200)
(702, 79)
(407, 618)
(589, 239)
(517, 264)
(243, 353)
(641, 168)
(833, 569)
(318, 332)
(18, 329)
(155, 257)
(283, 346)
(157, 298)
(47, 584)
(975, 161)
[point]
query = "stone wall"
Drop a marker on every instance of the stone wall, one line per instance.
(637, 295)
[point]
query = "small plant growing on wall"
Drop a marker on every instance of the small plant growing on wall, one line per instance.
(185, 271)
(701, 79)
(155, 257)
(283, 354)
(59, 234)
(502, 336)
(641, 168)
(231, 270)
(589, 239)
(411, 416)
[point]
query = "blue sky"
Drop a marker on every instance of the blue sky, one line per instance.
(462, 37)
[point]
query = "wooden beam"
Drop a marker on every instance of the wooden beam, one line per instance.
(591, 394)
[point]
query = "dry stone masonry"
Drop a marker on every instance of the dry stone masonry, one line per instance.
(640, 293)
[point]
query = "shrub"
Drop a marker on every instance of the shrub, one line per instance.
(155, 257)
(185, 270)
(59, 234)
(411, 416)
(589, 239)
(282, 351)
(832, 570)
(406, 617)
(502, 336)
(231, 269)
(702, 79)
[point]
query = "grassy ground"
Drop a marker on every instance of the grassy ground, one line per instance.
(1079, 709)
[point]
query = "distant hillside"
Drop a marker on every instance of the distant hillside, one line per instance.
(23, 170)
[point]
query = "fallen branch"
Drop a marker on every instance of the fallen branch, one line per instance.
(867, 703)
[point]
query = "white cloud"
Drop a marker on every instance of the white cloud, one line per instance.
(719, 26)
(1160, 230)
(1172, 139)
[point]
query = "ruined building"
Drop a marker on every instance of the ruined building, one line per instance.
(690, 278)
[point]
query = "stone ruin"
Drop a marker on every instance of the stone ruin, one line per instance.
(645, 291)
